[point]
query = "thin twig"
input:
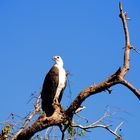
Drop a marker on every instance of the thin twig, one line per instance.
(102, 126)
(84, 118)
(133, 48)
(118, 127)
(36, 110)
(98, 124)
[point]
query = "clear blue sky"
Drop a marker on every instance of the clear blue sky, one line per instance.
(88, 35)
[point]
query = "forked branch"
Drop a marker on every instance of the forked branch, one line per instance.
(117, 78)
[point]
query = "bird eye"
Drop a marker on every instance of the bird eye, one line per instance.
(58, 57)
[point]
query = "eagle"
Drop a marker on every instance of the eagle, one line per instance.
(53, 86)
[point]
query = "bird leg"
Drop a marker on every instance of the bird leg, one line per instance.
(55, 101)
(57, 104)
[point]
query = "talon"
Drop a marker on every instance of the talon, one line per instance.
(55, 101)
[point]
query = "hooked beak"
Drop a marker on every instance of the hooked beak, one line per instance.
(54, 58)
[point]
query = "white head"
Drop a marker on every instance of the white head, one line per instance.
(58, 60)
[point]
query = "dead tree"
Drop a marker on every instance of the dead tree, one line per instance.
(61, 116)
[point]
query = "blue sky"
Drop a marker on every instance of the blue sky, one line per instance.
(89, 37)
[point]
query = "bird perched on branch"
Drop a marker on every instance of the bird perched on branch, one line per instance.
(53, 86)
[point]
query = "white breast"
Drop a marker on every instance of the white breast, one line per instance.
(62, 79)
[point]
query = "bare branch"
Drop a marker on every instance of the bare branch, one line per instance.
(98, 124)
(118, 127)
(124, 18)
(36, 110)
(127, 42)
(80, 109)
(84, 118)
(132, 88)
(94, 124)
(128, 47)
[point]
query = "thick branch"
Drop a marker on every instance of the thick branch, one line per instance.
(128, 47)
(94, 89)
(127, 42)
(41, 123)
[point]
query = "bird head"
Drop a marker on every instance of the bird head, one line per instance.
(58, 60)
